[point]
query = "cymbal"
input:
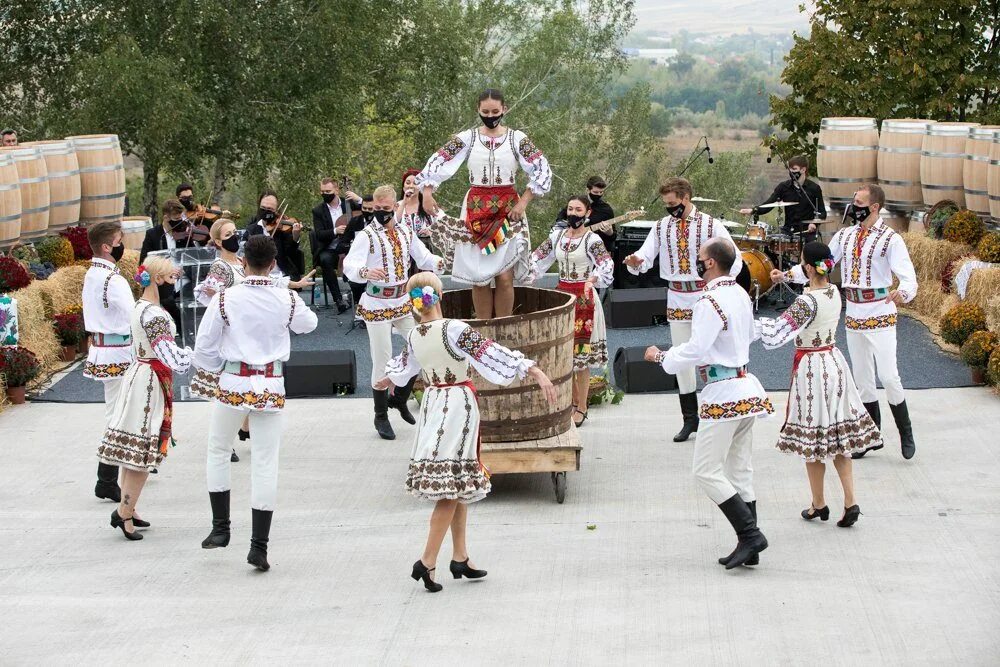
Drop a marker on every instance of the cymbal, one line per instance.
(702, 199)
(778, 204)
(730, 224)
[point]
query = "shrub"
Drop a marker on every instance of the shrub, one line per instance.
(978, 347)
(993, 367)
(20, 366)
(25, 253)
(989, 247)
(964, 227)
(961, 322)
(77, 237)
(57, 250)
(13, 275)
(69, 328)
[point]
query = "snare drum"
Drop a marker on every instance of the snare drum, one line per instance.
(782, 244)
(760, 272)
(757, 231)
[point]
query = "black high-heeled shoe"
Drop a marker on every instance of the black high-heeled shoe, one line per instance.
(244, 435)
(811, 513)
(462, 569)
(578, 424)
(421, 571)
(851, 515)
(139, 523)
(118, 522)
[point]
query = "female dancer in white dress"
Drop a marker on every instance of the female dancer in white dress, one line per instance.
(139, 431)
(493, 239)
(584, 266)
(826, 418)
(444, 464)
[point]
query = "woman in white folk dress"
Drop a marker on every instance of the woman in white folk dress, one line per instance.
(826, 418)
(139, 433)
(584, 266)
(444, 463)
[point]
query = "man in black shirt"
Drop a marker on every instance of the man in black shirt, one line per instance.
(291, 260)
(799, 219)
(600, 211)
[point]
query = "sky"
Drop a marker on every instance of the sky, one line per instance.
(720, 16)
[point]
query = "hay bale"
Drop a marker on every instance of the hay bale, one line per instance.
(983, 288)
(128, 265)
(3, 394)
(931, 256)
(34, 316)
(65, 287)
(993, 313)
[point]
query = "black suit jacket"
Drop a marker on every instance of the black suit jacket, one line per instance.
(156, 239)
(323, 222)
(291, 260)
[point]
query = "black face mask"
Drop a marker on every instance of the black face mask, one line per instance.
(794, 175)
(383, 216)
(491, 122)
(178, 225)
(859, 213)
(188, 203)
(596, 198)
(328, 197)
(700, 268)
(117, 252)
(575, 221)
(676, 211)
(265, 215)
(232, 244)
(368, 216)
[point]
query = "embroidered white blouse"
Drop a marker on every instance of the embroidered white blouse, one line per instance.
(579, 258)
(223, 274)
(159, 330)
(811, 321)
(676, 243)
(107, 309)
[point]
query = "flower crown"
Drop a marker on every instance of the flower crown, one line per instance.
(424, 297)
(824, 266)
(142, 276)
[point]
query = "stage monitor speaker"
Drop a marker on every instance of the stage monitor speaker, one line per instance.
(624, 279)
(634, 308)
(635, 375)
(321, 373)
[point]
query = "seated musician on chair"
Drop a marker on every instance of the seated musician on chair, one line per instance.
(331, 243)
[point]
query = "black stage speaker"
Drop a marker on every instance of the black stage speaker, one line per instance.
(321, 373)
(635, 375)
(633, 308)
(624, 247)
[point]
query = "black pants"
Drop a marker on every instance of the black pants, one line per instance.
(357, 289)
(168, 301)
(328, 263)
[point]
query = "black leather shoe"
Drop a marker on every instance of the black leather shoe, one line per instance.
(118, 522)
(244, 435)
(902, 416)
(139, 523)
(108, 492)
(421, 571)
(753, 560)
(399, 400)
(850, 517)
(219, 537)
(689, 409)
(234, 457)
(859, 455)
(258, 542)
(750, 541)
(342, 307)
(823, 513)
(382, 425)
(459, 570)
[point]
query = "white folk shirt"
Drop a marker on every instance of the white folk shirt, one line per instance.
(107, 309)
(376, 247)
(249, 323)
(869, 260)
(722, 329)
(676, 243)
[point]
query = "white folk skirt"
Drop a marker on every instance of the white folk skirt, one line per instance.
(825, 416)
(132, 438)
(444, 463)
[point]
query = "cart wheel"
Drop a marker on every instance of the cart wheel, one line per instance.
(559, 484)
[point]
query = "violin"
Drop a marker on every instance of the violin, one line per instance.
(209, 214)
(284, 221)
(191, 233)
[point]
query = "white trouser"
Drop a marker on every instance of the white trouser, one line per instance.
(380, 342)
(266, 428)
(680, 332)
(722, 465)
(111, 390)
(871, 349)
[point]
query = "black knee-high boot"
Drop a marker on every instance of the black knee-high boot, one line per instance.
(755, 559)
(902, 416)
(219, 537)
(750, 541)
(258, 541)
(107, 483)
(400, 397)
(876, 414)
(689, 410)
(382, 425)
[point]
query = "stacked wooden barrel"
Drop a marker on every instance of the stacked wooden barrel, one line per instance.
(10, 201)
(899, 146)
(975, 171)
(993, 176)
(134, 229)
(102, 177)
(64, 182)
(33, 181)
(846, 157)
(942, 159)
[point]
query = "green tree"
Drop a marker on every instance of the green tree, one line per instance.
(891, 59)
(682, 65)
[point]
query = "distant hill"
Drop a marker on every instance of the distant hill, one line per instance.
(721, 16)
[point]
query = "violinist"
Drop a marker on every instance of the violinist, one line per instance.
(173, 232)
(185, 195)
(198, 213)
(285, 231)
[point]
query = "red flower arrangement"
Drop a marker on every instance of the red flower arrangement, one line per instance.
(13, 275)
(78, 239)
(20, 366)
(69, 328)
(948, 273)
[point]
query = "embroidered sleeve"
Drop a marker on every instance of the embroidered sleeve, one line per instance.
(219, 276)
(604, 266)
(542, 257)
(159, 331)
(706, 325)
(301, 319)
(357, 260)
(902, 267)
(445, 162)
(208, 343)
(118, 295)
(404, 366)
(535, 165)
(490, 359)
(649, 250)
(775, 332)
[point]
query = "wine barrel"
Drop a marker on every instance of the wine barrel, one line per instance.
(64, 182)
(33, 179)
(899, 145)
(976, 167)
(10, 202)
(941, 159)
(102, 178)
(846, 157)
(899, 221)
(918, 222)
(542, 329)
(134, 230)
(993, 176)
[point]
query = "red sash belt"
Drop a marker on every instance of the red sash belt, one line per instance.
(472, 388)
(165, 376)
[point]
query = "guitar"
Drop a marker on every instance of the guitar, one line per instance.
(627, 217)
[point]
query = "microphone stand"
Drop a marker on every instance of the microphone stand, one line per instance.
(701, 150)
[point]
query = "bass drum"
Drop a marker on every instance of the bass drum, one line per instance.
(756, 273)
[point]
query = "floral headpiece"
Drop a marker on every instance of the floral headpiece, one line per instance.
(142, 276)
(824, 266)
(424, 297)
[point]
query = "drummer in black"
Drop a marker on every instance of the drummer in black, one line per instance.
(808, 198)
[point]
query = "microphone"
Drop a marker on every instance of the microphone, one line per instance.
(770, 156)
(708, 149)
